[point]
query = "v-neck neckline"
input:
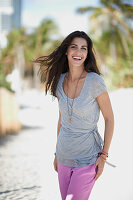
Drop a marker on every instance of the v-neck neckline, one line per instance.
(80, 91)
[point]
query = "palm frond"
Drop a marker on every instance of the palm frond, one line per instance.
(86, 9)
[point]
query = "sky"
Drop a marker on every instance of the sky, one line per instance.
(63, 12)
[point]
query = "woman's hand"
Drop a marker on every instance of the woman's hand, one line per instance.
(55, 164)
(100, 166)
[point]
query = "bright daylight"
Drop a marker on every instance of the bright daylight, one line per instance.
(75, 142)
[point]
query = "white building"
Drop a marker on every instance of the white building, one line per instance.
(10, 17)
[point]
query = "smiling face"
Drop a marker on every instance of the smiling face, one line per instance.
(77, 52)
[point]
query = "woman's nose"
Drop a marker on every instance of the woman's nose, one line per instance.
(78, 51)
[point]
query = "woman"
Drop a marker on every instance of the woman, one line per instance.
(72, 75)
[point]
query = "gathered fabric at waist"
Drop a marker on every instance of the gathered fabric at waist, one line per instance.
(78, 162)
(78, 145)
(78, 131)
(81, 133)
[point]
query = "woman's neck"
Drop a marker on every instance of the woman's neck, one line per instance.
(74, 74)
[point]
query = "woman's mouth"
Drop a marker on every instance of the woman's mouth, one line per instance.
(76, 58)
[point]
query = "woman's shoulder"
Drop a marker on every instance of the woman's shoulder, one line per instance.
(61, 78)
(95, 77)
(97, 84)
(63, 74)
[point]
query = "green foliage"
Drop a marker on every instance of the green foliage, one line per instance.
(112, 34)
(37, 43)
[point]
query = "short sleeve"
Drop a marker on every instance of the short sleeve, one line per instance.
(58, 88)
(98, 86)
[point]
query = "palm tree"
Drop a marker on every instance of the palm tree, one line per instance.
(112, 33)
(112, 13)
(40, 42)
(30, 46)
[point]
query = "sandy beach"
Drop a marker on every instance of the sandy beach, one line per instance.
(30, 153)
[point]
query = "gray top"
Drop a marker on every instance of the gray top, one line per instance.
(79, 142)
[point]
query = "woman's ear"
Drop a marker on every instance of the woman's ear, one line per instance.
(66, 53)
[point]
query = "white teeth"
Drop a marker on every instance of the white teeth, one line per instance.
(79, 58)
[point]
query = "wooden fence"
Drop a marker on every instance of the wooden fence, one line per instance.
(9, 110)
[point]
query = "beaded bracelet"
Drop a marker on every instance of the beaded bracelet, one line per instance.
(105, 153)
(101, 153)
(103, 158)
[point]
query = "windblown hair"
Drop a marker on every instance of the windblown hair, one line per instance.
(56, 63)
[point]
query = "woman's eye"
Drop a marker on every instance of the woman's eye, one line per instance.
(84, 49)
(72, 46)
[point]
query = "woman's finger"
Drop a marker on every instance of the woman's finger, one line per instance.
(55, 167)
(99, 172)
(96, 164)
(97, 175)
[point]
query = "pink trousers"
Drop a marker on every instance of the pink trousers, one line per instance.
(76, 183)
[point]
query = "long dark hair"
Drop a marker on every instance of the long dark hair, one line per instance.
(56, 63)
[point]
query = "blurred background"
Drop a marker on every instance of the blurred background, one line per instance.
(28, 118)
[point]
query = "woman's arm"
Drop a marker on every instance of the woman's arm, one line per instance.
(58, 130)
(107, 112)
(59, 124)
